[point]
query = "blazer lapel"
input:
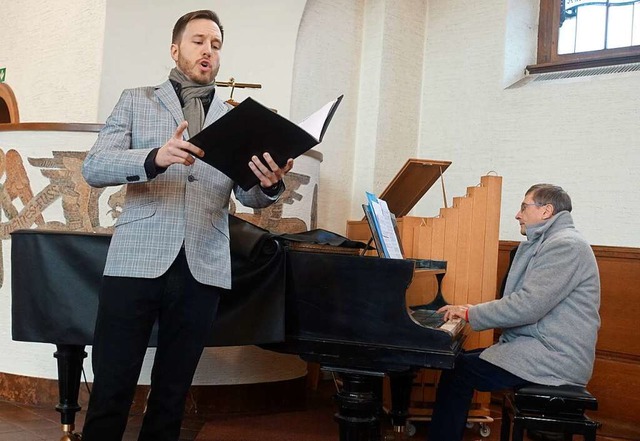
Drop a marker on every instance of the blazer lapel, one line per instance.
(168, 97)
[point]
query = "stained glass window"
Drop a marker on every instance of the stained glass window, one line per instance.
(588, 25)
(575, 34)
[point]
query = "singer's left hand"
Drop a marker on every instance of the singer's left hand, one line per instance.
(271, 175)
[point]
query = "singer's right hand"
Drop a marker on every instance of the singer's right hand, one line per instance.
(177, 151)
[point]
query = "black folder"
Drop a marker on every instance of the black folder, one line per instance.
(253, 129)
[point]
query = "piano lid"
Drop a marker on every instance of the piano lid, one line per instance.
(415, 178)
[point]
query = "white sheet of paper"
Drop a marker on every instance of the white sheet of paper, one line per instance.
(314, 123)
(388, 233)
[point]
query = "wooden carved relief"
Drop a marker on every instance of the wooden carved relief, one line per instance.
(271, 218)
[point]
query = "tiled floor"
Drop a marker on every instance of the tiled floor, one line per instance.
(19, 423)
(28, 423)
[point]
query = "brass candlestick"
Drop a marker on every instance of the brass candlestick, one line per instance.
(233, 84)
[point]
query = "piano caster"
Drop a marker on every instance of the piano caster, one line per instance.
(410, 429)
(69, 434)
(484, 428)
(483, 425)
(399, 433)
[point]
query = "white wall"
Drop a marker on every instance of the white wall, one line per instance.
(432, 79)
(52, 50)
(69, 60)
(327, 65)
(259, 46)
(581, 134)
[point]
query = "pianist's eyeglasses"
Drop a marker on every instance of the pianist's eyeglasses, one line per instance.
(524, 205)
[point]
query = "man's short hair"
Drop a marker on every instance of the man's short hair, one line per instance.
(181, 24)
(550, 194)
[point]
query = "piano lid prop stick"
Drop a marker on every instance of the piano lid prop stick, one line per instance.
(444, 193)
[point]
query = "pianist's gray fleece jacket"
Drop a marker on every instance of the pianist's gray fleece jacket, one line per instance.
(549, 311)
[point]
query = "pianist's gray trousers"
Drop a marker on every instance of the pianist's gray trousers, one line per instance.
(185, 310)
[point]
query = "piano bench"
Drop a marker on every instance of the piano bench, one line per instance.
(554, 409)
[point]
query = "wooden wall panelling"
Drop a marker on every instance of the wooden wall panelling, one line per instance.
(437, 240)
(406, 227)
(616, 386)
(491, 243)
(423, 391)
(489, 261)
(491, 236)
(620, 301)
(424, 287)
(450, 217)
(616, 377)
(504, 259)
(479, 196)
(422, 235)
(465, 210)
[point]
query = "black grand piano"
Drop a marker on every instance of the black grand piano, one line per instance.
(345, 312)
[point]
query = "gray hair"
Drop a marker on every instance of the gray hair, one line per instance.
(550, 194)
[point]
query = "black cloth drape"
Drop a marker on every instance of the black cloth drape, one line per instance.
(56, 276)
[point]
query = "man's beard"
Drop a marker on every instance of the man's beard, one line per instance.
(193, 72)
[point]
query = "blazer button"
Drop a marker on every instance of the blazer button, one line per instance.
(133, 178)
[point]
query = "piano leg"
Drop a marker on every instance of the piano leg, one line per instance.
(70, 359)
(401, 383)
(359, 406)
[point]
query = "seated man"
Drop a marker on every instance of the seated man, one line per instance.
(548, 315)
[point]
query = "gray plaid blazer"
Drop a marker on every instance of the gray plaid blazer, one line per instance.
(163, 214)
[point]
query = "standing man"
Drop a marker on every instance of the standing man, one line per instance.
(548, 315)
(169, 257)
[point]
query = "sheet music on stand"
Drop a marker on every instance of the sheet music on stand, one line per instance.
(383, 228)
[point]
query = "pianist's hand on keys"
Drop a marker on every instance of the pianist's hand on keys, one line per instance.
(454, 311)
(429, 318)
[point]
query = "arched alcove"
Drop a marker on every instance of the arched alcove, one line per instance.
(8, 105)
